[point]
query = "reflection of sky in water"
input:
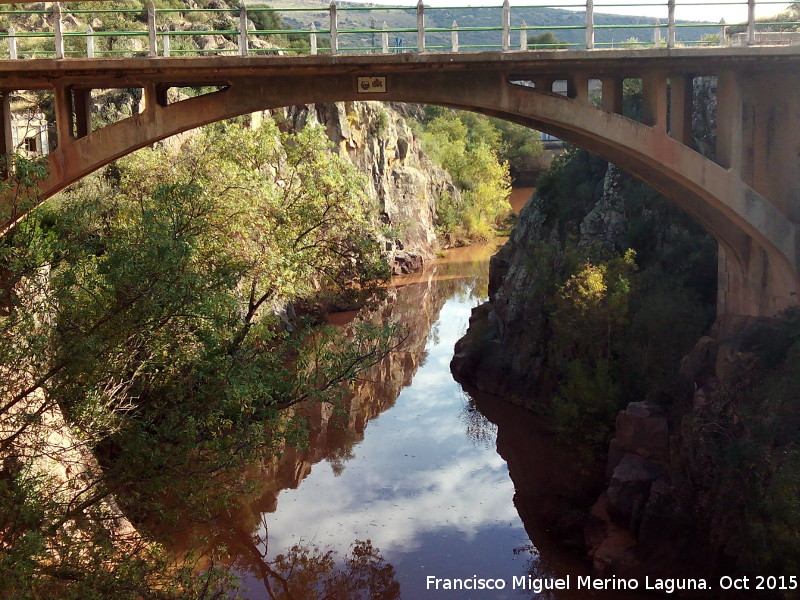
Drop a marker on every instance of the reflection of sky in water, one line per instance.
(433, 502)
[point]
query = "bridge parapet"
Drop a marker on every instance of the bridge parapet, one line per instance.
(350, 28)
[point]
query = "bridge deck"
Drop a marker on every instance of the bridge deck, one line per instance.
(122, 72)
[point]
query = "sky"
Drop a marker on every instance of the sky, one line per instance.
(733, 11)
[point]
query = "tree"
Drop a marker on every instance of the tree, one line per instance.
(465, 145)
(145, 320)
(546, 41)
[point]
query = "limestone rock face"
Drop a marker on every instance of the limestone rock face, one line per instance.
(604, 226)
(502, 352)
(402, 182)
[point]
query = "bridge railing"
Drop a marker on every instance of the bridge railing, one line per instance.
(345, 28)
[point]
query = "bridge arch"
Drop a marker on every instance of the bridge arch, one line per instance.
(758, 243)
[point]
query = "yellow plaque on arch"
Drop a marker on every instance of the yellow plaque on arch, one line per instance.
(372, 85)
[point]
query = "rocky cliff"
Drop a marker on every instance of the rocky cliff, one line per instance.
(505, 349)
(701, 476)
(705, 485)
(402, 182)
(502, 351)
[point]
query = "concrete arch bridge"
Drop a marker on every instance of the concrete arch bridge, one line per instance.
(748, 198)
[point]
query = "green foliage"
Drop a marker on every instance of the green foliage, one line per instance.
(519, 146)
(381, 122)
(19, 189)
(272, 21)
(585, 406)
(590, 309)
(618, 318)
(632, 99)
(145, 315)
(464, 145)
(746, 448)
(786, 20)
(545, 41)
(264, 20)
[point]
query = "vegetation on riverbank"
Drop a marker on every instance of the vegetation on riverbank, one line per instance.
(479, 153)
(144, 314)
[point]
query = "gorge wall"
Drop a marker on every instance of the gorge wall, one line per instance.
(403, 183)
(702, 461)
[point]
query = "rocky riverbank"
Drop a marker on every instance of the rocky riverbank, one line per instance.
(702, 462)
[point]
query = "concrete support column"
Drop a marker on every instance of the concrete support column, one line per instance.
(6, 136)
(654, 105)
(89, 42)
(58, 30)
(152, 40)
(670, 23)
(729, 121)
(64, 115)
(612, 94)
(752, 283)
(578, 87)
(680, 109)
(155, 95)
(244, 46)
(590, 24)
(82, 105)
(334, 27)
(12, 43)
(771, 137)
(543, 83)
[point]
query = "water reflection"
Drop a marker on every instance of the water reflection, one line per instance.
(390, 497)
(307, 572)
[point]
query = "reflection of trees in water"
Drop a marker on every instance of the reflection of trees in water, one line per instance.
(479, 430)
(307, 572)
(341, 440)
(434, 334)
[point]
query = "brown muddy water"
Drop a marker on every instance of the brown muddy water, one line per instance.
(441, 484)
(519, 197)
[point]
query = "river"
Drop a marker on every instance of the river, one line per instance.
(441, 483)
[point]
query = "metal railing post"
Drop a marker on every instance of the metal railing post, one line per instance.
(312, 39)
(89, 42)
(506, 26)
(671, 24)
(723, 38)
(243, 45)
(420, 27)
(523, 36)
(385, 39)
(751, 22)
(334, 26)
(590, 24)
(12, 43)
(151, 29)
(58, 31)
(657, 33)
(454, 37)
(165, 42)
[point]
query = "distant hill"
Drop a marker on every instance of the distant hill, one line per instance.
(564, 24)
